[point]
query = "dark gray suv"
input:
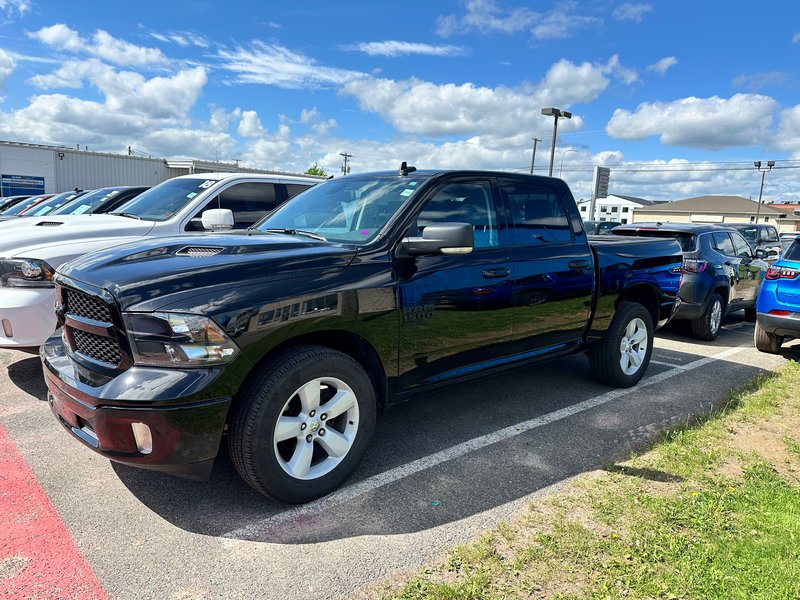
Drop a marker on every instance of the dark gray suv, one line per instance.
(760, 237)
(721, 272)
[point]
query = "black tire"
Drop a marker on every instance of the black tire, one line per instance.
(264, 462)
(765, 341)
(750, 314)
(606, 357)
(707, 326)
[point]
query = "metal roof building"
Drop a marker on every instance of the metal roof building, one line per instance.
(40, 169)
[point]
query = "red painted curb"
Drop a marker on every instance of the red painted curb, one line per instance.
(38, 558)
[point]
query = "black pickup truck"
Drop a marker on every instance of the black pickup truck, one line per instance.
(288, 338)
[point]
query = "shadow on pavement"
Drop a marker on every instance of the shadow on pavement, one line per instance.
(468, 484)
(26, 374)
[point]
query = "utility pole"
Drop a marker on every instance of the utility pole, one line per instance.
(757, 165)
(346, 158)
(533, 156)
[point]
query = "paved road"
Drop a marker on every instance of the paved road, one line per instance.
(442, 468)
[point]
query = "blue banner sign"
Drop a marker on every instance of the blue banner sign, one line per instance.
(19, 185)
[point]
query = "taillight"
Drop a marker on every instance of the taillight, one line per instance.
(774, 273)
(780, 313)
(694, 266)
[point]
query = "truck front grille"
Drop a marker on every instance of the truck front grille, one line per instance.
(83, 305)
(93, 329)
(97, 347)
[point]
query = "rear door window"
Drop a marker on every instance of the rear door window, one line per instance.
(721, 242)
(537, 214)
(768, 234)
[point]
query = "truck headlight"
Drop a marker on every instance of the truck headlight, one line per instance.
(25, 272)
(178, 340)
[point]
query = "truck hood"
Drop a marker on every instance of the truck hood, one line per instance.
(151, 274)
(21, 237)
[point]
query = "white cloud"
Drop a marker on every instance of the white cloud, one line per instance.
(628, 11)
(183, 39)
(103, 45)
(250, 126)
(788, 136)
(796, 38)
(663, 65)
(486, 17)
(7, 66)
(712, 123)
(273, 64)
(313, 119)
(60, 37)
(394, 48)
(562, 23)
(221, 119)
(421, 107)
(754, 82)
(10, 7)
(615, 68)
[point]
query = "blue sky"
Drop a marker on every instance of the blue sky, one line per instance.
(677, 98)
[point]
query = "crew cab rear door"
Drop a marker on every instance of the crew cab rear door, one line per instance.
(456, 310)
(553, 267)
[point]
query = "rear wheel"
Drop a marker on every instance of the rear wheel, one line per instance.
(765, 341)
(621, 357)
(707, 326)
(300, 428)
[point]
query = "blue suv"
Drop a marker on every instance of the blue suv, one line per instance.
(778, 303)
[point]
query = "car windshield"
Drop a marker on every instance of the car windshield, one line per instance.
(87, 203)
(353, 209)
(749, 233)
(163, 201)
(24, 205)
(49, 205)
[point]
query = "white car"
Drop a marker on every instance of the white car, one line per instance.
(32, 249)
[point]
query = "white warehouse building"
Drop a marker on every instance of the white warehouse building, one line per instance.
(613, 208)
(37, 169)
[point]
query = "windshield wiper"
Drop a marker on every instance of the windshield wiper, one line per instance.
(124, 214)
(316, 236)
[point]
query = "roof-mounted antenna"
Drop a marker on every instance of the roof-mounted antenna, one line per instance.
(405, 169)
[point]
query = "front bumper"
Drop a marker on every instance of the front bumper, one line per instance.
(783, 325)
(27, 317)
(185, 429)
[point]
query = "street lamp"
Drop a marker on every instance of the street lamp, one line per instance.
(757, 165)
(555, 113)
(533, 155)
(561, 166)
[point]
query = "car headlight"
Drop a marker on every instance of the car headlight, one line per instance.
(178, 340)
(25, 272)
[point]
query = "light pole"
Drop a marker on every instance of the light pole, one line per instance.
(555, 113)
(561, 166)
(757, 164)
(533, 156)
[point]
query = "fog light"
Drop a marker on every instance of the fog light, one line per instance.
(144, 440)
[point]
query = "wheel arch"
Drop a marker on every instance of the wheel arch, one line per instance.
(643, 294)
(346, 342)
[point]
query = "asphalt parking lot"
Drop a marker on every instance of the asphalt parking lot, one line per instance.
(442, 468)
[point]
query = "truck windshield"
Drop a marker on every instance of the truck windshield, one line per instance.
(353, 209)
(161, 202)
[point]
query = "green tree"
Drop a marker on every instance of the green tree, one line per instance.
(315, 169)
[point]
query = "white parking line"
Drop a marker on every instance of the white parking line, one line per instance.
(346, 494)
(666, 364)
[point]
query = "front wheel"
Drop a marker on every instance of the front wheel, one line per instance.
(299, 429)
(621, 357)
(765, 341)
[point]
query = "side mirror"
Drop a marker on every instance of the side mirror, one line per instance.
(766, 254)
(442, 238)
(217, 218)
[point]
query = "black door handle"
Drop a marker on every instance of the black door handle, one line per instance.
(578, 264)
(496, 273)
